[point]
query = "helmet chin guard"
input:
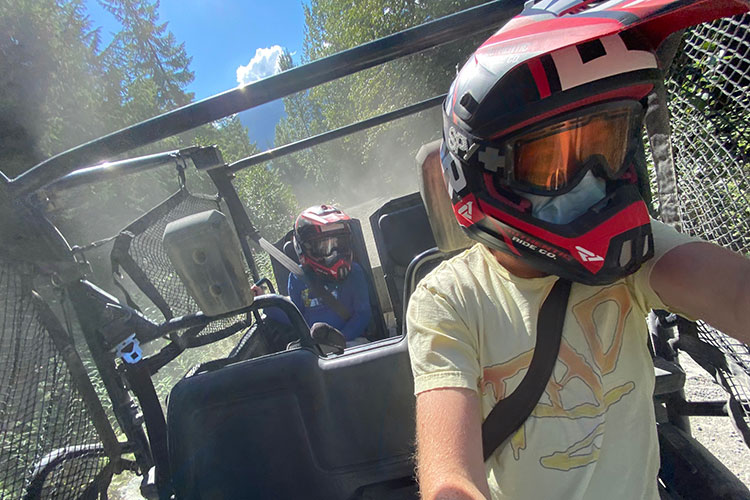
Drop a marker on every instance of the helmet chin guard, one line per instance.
(595, 249)
(555, 96)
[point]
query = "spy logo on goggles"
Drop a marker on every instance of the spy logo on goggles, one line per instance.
(457, 141)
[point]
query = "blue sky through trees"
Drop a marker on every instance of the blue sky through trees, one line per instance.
(230, 42)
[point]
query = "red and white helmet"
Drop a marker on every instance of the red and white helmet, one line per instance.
(550, 108)
(323, 241)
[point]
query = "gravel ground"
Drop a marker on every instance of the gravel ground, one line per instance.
(715, 433)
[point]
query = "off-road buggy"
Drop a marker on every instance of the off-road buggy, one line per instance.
(77, 398)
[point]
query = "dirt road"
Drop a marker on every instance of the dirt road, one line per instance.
(715, 433)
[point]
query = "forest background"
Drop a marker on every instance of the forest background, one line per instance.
(61, 86)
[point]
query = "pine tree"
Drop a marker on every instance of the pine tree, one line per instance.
(49, 77)
(145, 62)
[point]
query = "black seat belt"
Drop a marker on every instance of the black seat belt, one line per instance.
(510, 413)
(321, 291)
(139, 379)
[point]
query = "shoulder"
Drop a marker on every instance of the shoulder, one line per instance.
(451, 282)
(293, 278)
(296, 282)
(666, 238)
(356, 275)
(457, 271)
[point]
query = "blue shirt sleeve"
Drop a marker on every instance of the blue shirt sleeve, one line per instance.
(361, 315)
(294, 288)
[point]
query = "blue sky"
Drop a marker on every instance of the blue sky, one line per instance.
(229, 41)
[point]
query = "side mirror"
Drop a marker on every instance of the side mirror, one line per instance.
(328, 338)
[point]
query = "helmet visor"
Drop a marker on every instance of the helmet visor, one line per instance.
(331, 246)
(554, 158)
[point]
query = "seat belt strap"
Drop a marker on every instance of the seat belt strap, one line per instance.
(510, 413)
(139, 380)
(321, 291)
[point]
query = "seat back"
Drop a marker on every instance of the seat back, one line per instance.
(280, 272)
(401, 231)
(294, 425)
(377, 328)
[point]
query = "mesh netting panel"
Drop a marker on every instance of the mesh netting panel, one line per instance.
(709, 107)
(711, 133)
(738, 353)
(147, 251)
(40, 411)
(64, 482)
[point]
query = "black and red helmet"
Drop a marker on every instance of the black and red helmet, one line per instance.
(323, 241)
(547, 114)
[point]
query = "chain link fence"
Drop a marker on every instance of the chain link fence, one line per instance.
(709, 104)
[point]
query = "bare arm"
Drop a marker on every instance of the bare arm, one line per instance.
(707, 282)
(449, 445)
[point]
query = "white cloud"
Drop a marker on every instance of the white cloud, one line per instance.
(264, 63)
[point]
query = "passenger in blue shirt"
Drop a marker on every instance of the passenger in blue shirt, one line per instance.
(322, 241)
(351, 293)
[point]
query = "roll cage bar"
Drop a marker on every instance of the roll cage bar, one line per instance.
(347, 62)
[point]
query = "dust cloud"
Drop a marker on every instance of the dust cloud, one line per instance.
(391, 173)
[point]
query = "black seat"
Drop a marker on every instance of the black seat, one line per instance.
(377, 328)
(294, 425)
(401, 231)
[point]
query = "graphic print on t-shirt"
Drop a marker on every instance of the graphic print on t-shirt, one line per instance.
(316, 301)
(599, 359)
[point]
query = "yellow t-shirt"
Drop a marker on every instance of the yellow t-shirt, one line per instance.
(472, 324)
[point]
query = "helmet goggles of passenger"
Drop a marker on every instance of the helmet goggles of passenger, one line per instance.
(329, 246)
(554, 156)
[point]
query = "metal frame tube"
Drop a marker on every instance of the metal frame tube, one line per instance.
(113, 170)
(410, 41)
(335, 134)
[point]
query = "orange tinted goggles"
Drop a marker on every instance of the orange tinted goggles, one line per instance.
(554, 158)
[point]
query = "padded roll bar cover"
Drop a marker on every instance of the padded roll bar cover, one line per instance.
(294, 425)
(449, 236)
(205, 252)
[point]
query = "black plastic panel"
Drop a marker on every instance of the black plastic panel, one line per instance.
(293, 425)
